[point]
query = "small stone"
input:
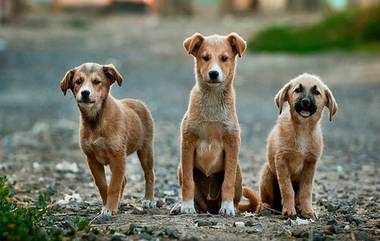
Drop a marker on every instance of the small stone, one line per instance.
(172, 232)
(363, 236)
(347, 227)
(319, 237)
(332, 207)
(206, 222)
(160, 203)
(333, 229)
(332, 221)
(239, 224)
(265, 213)
(89, 237)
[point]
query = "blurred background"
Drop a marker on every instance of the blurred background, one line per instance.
(339, 40)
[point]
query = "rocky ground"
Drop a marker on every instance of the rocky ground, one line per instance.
(39, 126)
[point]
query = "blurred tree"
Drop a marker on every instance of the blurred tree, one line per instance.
(10, 10)
(301, 5)
(174, 7)
(238, 6)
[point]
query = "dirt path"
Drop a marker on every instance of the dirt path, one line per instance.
(39, 129)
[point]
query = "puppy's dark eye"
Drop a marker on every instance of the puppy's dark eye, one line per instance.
(316, 92)
(224, 58)
(299, 89)
(78, 81)
(206, 58)
(96, 81)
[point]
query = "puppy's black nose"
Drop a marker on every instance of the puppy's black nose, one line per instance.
(85, 94)
(306, 102)
(213, 74)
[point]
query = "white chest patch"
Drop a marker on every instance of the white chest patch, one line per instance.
(209, 157)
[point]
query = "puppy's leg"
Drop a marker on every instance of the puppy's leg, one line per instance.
(187, 167)
(267, 189)
(147, 162)
(122, 188)
(117, 167)
(286, 188)
(306, 189)
(238, 186)
(99, 176)
(232, 143)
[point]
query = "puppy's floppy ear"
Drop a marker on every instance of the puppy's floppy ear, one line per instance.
(67, 81)
(193, 43)
(282, 96)
(330, 103)
(112, 74)
(237, 43)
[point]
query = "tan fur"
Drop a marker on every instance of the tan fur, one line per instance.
(110, 130)
(294, 147)
(210, 132)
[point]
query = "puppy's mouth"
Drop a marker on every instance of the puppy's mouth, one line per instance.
(305, 112)
(86, 102)
(213, 82)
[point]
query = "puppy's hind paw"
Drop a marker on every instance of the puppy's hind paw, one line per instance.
(227, 208)
(148, 204)
(104, 216)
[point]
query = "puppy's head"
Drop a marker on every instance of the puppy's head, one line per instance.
(307, 95)
(215, 56)
(90, 83)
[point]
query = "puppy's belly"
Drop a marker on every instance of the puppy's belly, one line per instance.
(209, 157)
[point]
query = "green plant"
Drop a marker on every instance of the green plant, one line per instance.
(347, 30)
(32, 223)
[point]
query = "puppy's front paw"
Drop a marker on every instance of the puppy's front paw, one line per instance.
(148, 204)
(105, 214)
(227, 208)
(289, 211)
(187, 207)
(309, 214)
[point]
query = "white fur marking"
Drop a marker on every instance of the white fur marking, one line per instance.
(227, 208)
(216, 67)
(187, 207)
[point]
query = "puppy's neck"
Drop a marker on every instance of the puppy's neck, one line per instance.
(92, 117)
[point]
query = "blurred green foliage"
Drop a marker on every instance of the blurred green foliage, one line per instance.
(355, 29)
(33, 223)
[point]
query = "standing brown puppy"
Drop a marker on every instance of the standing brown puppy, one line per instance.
(110, 130)
(294, 146)
(209, 173)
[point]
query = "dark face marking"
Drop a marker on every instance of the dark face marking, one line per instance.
(305, 104)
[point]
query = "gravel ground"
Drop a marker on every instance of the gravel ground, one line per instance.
(39, 149)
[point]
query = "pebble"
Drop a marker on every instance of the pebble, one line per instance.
(264, 213)
(239, 224)
(363, 236)
(206, 222)
(172, 232)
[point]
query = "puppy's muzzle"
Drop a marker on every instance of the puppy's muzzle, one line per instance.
(214, 77)
(85, 97)
(305, 107)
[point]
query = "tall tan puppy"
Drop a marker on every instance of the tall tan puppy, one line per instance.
(110, 130)
(294, 146)
(209, 173)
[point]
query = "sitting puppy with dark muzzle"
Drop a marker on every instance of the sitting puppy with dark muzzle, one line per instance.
(110, 130)
(294, 147)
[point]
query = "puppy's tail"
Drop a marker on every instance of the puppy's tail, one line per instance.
(253, 198)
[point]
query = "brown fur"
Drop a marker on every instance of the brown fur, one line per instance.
(209, 171)
(110, 130)
(294, 147)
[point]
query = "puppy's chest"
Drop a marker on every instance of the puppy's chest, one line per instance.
(209, 152)
(100, 147)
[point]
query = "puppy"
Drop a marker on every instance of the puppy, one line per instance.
(110, 130)
(209, 173)
(295, 146)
